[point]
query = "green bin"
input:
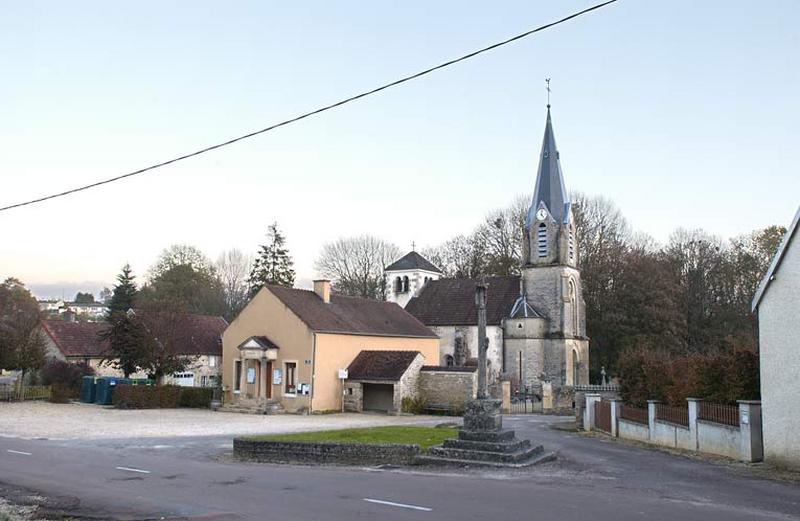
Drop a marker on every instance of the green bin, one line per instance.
(88, 385)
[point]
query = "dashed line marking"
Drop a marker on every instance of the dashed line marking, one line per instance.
(19, 452)
(140, 471)
(400, 505)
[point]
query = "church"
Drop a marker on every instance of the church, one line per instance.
(536, 323)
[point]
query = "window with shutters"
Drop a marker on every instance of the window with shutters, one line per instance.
(571, 245)
(541, 240)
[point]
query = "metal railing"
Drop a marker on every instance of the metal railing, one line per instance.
(634, 414)
(676, 415)
(719, 413)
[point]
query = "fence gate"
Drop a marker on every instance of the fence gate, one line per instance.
(525, 401)
(602, 416)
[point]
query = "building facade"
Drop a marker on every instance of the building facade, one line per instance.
(777, 303)
(408, 275)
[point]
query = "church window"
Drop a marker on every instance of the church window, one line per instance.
(405, 284)
(541, 240)
(449, 361)
(571, 245)
(398, 285)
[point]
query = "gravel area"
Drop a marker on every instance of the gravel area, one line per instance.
(81, 421)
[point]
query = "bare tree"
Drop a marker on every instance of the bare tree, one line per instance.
(356, 264)
(233, 271)
(180, 255)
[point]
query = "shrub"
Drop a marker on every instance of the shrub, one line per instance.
(195, 397)
(64, 379)
(60, 393)
(414, 405)
(146, 396)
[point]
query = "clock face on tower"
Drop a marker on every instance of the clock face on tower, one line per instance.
(541, 214)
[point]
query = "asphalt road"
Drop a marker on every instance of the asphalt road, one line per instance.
(594, 478)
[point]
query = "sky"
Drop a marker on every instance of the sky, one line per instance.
(683, 113)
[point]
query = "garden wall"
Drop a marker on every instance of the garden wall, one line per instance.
(315, 453)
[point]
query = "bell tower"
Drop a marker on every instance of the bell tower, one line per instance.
(550, 273)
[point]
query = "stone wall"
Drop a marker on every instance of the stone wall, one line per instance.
(408, 386)
(447, 341)
(316, 453)
(353, 397)
(445, 385)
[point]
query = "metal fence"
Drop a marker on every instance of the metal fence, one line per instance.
(719, 413)
(525, 401)
(13, 393)
(634, 414)
(676, 415)
(602, 415)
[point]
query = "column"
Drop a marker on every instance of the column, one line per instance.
(588, 413)
(752, 444)
(651, 417)
(694, 406)
(615, 403)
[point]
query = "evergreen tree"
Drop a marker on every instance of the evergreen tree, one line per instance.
(273, 264)
(124, 335)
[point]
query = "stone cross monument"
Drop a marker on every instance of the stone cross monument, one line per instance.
(483, 344)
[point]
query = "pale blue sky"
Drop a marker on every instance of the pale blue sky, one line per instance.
(684, 113)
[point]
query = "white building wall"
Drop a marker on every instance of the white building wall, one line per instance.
(779, 338)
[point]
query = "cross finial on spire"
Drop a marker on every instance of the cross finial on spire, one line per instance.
(547, 80)
(413, 246)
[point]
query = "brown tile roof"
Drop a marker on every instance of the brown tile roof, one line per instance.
(201, 335)
(451, 302)
(350, 315)
(79, 339)
(380, 365)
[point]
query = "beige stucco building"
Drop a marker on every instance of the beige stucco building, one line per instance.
(287, 346)
(778, 305)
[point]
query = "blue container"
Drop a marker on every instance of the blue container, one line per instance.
(88, 389)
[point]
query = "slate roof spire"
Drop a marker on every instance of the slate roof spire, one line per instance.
(550, 190)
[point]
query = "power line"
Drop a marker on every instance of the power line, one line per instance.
(309, 114)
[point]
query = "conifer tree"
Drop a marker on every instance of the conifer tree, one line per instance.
(124, 336)
(273, 265)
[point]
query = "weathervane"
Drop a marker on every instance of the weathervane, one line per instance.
(547, 80)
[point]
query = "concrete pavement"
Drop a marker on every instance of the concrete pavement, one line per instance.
(195, 477)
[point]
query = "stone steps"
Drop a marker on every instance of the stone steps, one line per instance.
(502, 456)
(488, 446)
(536, 459)
(253, 407)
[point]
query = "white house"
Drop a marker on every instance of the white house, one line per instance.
(778, 304)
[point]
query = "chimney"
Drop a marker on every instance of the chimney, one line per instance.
(322, 288)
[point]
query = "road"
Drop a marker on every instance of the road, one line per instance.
(594, 478)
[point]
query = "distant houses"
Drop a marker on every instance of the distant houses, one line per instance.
(777, 302)
(84, 311)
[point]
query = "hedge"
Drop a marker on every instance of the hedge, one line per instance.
(161, 397)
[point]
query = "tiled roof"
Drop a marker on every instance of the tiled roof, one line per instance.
(451, 302)
(201, 334)
(412, 261)
(262, 341)
(80, 339)
(380, 365)
(350, 315)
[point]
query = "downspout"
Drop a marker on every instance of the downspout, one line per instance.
(313, 371)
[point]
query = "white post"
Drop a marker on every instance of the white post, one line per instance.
(693, 404)
(588, 413)
(752, 445)
(615, 403)
(651, 417)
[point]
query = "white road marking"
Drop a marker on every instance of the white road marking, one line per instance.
(18, 452)
(401, 505)
(134, 470)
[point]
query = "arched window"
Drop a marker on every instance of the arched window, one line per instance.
(573, 299)
(405, 284)
(541, 240)
(398, 285)
(571, 245)
(449, 361)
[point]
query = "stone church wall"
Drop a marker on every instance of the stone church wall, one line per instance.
(452, 387)
(447, 342)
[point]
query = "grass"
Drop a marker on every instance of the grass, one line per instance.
(423, 436)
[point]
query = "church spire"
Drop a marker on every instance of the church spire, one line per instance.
(549, 191)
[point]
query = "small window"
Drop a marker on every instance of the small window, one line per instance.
(405, 284)
(398, 285)
(541, 240)
(212, 361)
(290, 370)
(449, 361)
(571, 245)
(237, 376)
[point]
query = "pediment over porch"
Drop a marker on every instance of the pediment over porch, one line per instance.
(258, 348)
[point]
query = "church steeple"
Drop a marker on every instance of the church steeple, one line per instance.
(550, 191)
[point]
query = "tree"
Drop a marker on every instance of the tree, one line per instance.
(500, 237)
(233, 268)
(123, 335)
(356, 264)
(165, 333)
(180, 255)
(84, 298)
(462, 257)
(273, 264)
(105, 295)
(22, 347)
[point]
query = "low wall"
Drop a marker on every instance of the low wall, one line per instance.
(315, 453)
(742, 442)
(453, 386)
